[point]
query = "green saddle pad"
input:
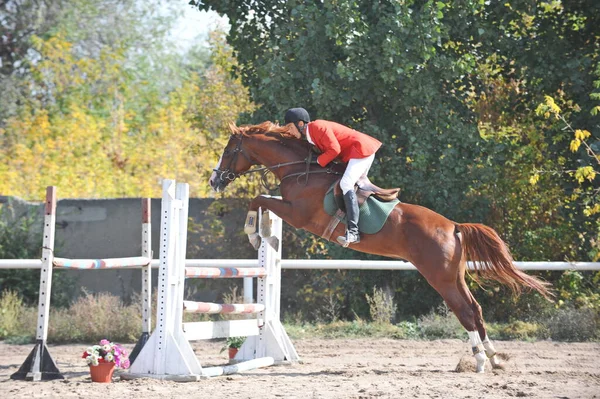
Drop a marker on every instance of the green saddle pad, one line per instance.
(373, 213)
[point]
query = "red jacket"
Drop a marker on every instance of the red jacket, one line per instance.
(338, 141)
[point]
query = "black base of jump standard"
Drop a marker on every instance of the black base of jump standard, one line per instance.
(39, 365)
(138, 346)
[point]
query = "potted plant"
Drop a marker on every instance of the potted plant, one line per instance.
(233, 344)
(103, 358)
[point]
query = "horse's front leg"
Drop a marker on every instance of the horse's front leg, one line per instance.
(281, 208)
(277, 205)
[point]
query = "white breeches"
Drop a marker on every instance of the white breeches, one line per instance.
(355, 169)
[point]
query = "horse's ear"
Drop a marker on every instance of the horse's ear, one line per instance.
(234, 129)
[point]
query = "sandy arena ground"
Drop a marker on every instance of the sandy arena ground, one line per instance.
(342, 368)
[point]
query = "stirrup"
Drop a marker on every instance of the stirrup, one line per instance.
(349, 238)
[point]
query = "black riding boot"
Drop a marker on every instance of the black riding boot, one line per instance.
(352, 234)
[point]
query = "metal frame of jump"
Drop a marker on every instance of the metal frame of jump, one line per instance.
(39, 365)
(168, 354)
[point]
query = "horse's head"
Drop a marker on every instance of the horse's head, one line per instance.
(232, 163)
(266, 144)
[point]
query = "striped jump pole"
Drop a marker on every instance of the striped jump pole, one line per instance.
(224, 272)
(217, 308)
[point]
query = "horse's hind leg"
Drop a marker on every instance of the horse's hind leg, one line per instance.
(490, 351)
(466, 315)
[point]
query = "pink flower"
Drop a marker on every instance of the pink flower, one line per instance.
(104, 342)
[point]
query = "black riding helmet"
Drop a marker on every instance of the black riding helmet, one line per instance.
(295, 115)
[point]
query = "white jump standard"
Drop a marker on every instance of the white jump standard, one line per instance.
(39, 365)
(168, 355)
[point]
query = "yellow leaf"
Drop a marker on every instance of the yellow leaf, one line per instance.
(575, 145)
(585, 173)
(582, 134)
(552, 105)
(534, 179)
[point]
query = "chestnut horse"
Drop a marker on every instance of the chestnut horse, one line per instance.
(436, 246)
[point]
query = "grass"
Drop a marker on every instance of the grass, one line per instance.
(94, 317)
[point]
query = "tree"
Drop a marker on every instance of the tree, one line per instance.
(101, 118)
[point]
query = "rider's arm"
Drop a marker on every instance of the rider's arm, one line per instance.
(331, 147)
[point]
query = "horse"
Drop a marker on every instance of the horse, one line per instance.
(436, 246)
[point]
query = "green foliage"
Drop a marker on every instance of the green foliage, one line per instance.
(519, 330)
(440, 324)
(579, 290)
(233, 342)
(95, 317)
(574, 325)
(10, 309)
(346, 329)
(381, 306)
(21, 238)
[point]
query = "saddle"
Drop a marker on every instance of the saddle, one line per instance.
(364, 189)
(378, 203)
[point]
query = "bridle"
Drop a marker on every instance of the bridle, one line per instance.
(227, 174)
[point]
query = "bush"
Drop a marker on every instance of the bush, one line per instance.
(381, 306)
(95, 317)
(10, 308)
(518, 330)
(574, 325)
(440, 324)
(21, 239)
(346, 329)
(17, 322)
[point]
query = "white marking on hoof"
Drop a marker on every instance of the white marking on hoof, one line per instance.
(481, 358)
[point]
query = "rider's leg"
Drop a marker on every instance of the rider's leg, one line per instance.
(355, 169)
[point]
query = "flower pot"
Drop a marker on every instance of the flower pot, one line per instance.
(232, 352)
(103, 372)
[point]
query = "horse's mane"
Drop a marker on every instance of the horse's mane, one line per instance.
(265, 127)
(284, 135)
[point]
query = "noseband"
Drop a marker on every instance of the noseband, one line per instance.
(227, 174)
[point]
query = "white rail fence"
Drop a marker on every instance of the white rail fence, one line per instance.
(305, 264)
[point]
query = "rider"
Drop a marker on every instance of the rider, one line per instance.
(338, 141)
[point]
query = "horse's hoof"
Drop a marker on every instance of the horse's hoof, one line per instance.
(480, 358)
(496, 363)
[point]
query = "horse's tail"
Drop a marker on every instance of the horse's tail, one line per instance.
(492, 259)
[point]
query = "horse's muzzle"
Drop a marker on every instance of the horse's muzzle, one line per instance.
(217, 183)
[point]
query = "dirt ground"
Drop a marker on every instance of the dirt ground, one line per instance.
(342, 368)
